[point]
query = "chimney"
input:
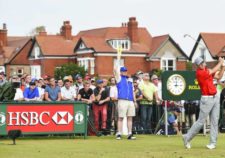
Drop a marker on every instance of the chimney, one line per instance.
(1, 47)
(133, 29)
(66, 30)
(3, 35)
(124, 24)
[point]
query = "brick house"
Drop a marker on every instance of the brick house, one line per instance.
(209, 46)
(14, 47)
(96, 50)
(42, 53)
(52, 51)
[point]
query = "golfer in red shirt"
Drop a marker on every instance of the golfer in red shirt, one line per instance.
(209, 103)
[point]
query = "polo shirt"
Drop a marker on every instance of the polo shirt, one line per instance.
(205, 81)
(148, 89)
(85, 94)
(104, 95)
(68, 93)
(53, 92)
(30, 94)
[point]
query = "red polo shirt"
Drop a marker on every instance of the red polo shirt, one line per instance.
(205, 81)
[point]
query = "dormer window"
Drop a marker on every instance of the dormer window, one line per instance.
(116, 43)
(36, 52)
(82, 46)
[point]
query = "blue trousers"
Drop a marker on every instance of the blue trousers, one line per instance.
(146, 115)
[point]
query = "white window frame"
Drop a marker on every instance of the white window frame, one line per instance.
(166, 67)
(92, 66)
(116, 43)
(35, 71)
(82, 46)
(122, 61)
(36, 52)
(85, 62)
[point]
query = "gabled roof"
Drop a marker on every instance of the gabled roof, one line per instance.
(157, 42)
(53, 45)
(215, 43)
(14, 45)
(97, 39)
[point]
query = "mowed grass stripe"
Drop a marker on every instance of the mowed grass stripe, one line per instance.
(150, 146)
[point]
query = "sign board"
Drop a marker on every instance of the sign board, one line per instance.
(39, 118)
(180, 85)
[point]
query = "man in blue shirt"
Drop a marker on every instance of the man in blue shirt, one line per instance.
(172, 122)
(126, 99)
(52, 92)
(31, 93)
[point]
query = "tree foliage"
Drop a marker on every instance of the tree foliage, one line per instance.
(157, 72)
(189, 66)
(37, 29)
(69, 69)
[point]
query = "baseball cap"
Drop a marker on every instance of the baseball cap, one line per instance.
(78, 76)
(177, 109)
(99, 81)
(154, 77)
(123, 69)
(32, 83)
(198, 61)
(33, 80)
(45, 77)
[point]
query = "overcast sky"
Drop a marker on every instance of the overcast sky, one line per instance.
(174, 17)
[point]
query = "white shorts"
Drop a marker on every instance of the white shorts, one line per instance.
(126, 108)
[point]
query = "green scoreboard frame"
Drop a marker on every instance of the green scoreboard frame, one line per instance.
(191, 88)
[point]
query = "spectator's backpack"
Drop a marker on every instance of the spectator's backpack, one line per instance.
(7, 92)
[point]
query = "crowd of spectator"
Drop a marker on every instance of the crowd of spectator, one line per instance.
(101, 96)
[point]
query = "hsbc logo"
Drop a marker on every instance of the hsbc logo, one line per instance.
(62, 118)
(33, 118)
(2, 118)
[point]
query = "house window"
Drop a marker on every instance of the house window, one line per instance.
(36, 52)
(124, 44)
(92, 66)
(203, 53)
(84, 63)
(121, 62)
(82, 46)
(36, 71)
(168, 64)
(20, 71)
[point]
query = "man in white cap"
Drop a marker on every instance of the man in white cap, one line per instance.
(209, 103)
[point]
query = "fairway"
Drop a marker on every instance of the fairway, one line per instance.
(150, 146)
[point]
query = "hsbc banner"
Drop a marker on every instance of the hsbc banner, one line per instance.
(43, 118)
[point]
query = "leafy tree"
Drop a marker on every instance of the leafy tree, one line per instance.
(157, 72)
(37, 29)
(189, 66)
(69, 69)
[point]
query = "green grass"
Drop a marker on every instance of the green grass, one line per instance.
(146, 146)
